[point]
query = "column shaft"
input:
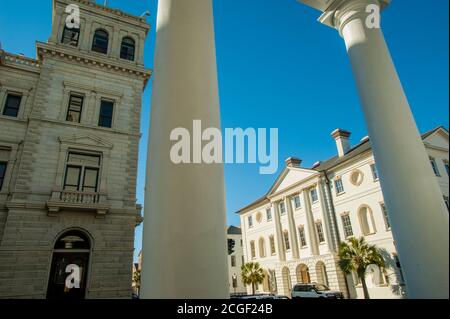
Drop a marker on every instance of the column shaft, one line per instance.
(292, 228)
(184, 240)
(279, 232)
(313, 244)
(420, 222)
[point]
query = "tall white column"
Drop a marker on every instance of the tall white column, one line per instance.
(184, 240)
(420, 222)
(311, 226)
(279, 232)
(292, 228)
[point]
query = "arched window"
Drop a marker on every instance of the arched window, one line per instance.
(70, 36)
(302, 273)
(366, 221)
(100, 41)
(262, 248)
(321, 272)
(127, 49)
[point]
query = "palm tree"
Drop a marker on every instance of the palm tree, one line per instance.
(357, 255)
(252, 274)
(137, 279)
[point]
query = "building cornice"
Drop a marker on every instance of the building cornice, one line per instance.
(91, 60)
(20, 62)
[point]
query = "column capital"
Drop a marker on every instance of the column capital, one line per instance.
(336, 13)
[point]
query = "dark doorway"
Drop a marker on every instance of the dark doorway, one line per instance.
(71, 254)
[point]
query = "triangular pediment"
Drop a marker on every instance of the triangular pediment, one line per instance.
(439, 138)
(87, 140)
(288, 177)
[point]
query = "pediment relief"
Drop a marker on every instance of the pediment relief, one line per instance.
(87, 140)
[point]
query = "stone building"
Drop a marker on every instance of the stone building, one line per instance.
(235, 261)
(295, 229)
(69, 136)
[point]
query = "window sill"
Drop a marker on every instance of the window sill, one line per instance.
(340, 194)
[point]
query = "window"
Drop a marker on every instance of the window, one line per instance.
(100, 42)
(314, 197)
(366, 221)
(447, 167)
(106, 114)
(374, 170)
(434, 166)
(250, 221)
(339, 186)
(127, 49)
(320, 234)
(272, 244)
(70, 36)
(297, 202)
(301, 234)
(347, 224)
(2, 173)
(253, 249)
(262, 248)
(233, 261)
(282, 208)
(75, 108)
(445, 200)
(269, 214)
(287, 245)
(82, 173)
(399, 268)
(12, 105)
(385, 216)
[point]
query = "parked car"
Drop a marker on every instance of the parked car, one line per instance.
(259, 297)
(314, 290)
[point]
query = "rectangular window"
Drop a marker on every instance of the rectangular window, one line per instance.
(243, 260)
(250, 221)
(12, 105)
(314, 196)
(447, 167)
(82, 173)
(253, 249)
(374, 170)
(434, 166)
(282, 208)
(272, 244)
(287, 245)
(233, 261)
(106, 114)
(297, 202)
(302, 236)
(339, 186)
(2, 173)
(385, 216)
(70, 36)
(320, 234)
(445, 200)
(269, 214)
(75, 108)
(347, 224)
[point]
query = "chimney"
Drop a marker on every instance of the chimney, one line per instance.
(293, 162)
(342, 142)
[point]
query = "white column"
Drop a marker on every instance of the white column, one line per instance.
(184, 240)
(310, 225)
(279, 232)
(292, 228)
(420, 222)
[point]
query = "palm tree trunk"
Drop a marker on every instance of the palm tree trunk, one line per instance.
(364, 285)
(253, 288)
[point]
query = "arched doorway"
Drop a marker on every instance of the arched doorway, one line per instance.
(321, 272)
(286, 281)
(302, 273)
(68, 273)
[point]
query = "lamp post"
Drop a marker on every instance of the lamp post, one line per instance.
(419, 218)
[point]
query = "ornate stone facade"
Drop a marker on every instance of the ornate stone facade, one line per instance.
(69, 136)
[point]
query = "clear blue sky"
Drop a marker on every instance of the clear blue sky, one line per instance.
(278, 67)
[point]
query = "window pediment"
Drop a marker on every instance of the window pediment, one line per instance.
(86, 141)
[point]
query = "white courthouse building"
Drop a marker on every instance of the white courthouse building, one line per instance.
(295, 229)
